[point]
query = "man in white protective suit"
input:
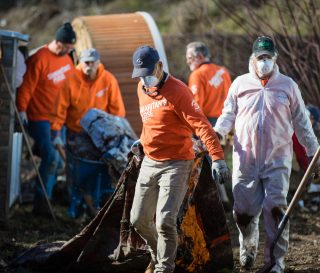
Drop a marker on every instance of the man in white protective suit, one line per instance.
(264, 107)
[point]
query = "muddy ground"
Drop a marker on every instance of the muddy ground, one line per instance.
(23, 230)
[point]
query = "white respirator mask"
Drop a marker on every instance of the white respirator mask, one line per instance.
(149, 81)
(264, 66)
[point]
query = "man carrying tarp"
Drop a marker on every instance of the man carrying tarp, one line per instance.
(170, 116)
(46, 72)
(91, 86)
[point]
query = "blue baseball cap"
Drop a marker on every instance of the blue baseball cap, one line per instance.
(144, 60)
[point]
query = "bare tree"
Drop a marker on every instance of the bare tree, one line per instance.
(295, 27)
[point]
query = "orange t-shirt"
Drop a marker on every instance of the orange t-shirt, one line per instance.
(264, 81)
(169, 121)
(79, 94)
(45, 75)
(209, 84)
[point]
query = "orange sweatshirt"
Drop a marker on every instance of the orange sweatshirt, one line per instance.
(45, 75)
(209, 84)
(79, 94)
(169, 121)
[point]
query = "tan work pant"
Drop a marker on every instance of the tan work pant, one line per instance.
(159, 192)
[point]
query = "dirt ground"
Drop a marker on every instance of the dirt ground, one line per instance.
(24, 230)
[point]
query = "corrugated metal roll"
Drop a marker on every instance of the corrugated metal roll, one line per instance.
(116, 37)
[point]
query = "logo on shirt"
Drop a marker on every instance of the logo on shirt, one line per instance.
(194, 88)
(146, 111)
(195, 106)
(216, 80)
(59, 75)
(101, 92)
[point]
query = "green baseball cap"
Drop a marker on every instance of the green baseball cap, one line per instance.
(263, 45)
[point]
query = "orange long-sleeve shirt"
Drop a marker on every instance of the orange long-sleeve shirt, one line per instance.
(79, 94)
(209, 84)
(169, 121)
(45, 75)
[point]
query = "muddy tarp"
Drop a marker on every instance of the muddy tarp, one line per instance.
(109, 243)
(80, 145)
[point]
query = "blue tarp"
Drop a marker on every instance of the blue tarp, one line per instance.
(112, 135)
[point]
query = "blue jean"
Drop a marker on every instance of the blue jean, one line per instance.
(50, 160)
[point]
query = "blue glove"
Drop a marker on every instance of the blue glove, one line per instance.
(56, 138)
(220, 171)
(57, 141)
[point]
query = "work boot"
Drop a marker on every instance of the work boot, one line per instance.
(246, 262)
(150, 268)
(276, 269)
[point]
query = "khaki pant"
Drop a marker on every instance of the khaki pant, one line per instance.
(159, 192)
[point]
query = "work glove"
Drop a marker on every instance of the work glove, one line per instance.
(56, 138)
(57, 141)
(24, 118)
(137, 148)
(220, 171)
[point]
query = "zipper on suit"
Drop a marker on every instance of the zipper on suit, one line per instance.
(260, 129)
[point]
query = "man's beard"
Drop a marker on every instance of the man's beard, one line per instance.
(88, 71)
(62, 53)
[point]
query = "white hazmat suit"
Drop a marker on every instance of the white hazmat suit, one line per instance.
(264, 119)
